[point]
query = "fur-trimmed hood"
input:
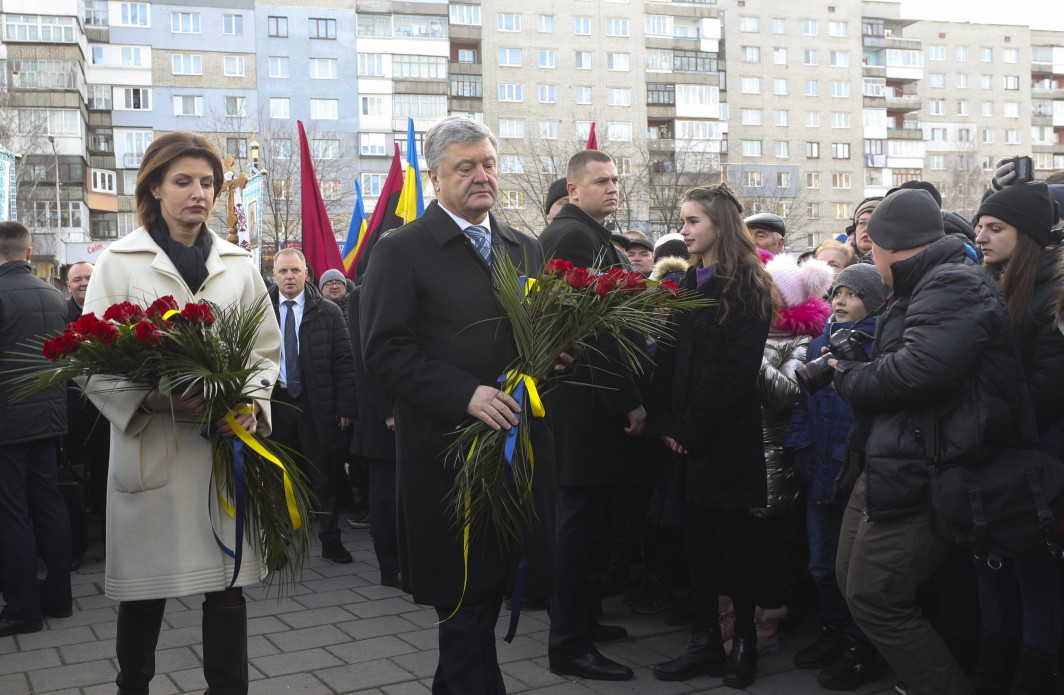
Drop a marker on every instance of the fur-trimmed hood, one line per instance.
(669, 264)
(807, 318)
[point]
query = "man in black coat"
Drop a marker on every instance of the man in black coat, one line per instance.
(33, 518)
(315, 391)
(437, 340)
(593, 429)
(945, 386)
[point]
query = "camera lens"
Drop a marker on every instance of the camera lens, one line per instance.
(815, 375)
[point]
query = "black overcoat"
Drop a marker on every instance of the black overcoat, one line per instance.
(432, 332)
(375, 440)
(590, 443)
(705, 396)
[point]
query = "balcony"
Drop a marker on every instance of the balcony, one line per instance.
(905, 133)
(131, 160)
(904, 102)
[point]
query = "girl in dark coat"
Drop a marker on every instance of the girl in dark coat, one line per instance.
(1013, 232)
(707, 412)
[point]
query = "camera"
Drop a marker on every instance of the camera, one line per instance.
(844, 344)
(1024, 168)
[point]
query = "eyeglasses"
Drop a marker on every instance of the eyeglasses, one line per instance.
(333, 282)
(860, 223)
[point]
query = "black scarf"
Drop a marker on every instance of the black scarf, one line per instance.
(190, 261)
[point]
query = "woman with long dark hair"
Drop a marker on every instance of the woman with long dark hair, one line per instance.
(1014, 233)
(707, 411)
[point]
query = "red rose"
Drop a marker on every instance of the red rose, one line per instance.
(85, 323)
(558, 267)
(162, 305)
(148, 334)
(633, 282)
(105, 332)
(198, 313)
(670, 287)
(125, 313)
(60, 346)
(578, 278)
(606, 283)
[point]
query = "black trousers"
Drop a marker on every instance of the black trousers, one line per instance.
(383, 519)
(468, 662)
(582, 518)
(294, 427)
(33, 521)
(721, 553)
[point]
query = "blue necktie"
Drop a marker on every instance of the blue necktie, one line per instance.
(479, 236)
(293, 383)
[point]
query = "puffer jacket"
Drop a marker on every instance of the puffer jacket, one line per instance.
(945, 384)
(29, 308)
(820, 423)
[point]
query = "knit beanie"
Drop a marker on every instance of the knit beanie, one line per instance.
(558, 189)
(924, 185)
(798, 283)
(1028, 207)
(1057, 191)
(864, 281)
(675, 248)
(906, 219)
(330, 275)
(867, 205)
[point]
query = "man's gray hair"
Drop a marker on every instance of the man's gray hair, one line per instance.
(291, 251)
(453, 129)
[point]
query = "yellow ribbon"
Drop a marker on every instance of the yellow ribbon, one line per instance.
(168, 314)
(258, 448)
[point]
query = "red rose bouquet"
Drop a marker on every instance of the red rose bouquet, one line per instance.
(205, 349)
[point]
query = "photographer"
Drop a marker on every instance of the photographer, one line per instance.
(942, 388)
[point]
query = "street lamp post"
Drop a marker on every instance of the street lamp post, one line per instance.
(58, 208)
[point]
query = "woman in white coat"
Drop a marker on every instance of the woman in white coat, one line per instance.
(161, 518)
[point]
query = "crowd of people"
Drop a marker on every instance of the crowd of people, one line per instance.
(769, 461)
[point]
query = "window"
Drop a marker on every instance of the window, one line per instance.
(547, 59)
(1012, 82)
(750, 25)
(133, 14)
(582, 26)
(233, 66)
(323, 68)
(545, 23)
(419, 106)
(812, 150)
(779, 26)
(372, 185)
(937, 107)
(238, 147)
(331, 189)
(186, 64)
(750, 85)
(467, 86)
(1010, 55)
(511, 164)
(809, 56)
(962, 80)
(783, 179)
(812, 179)
(134, 99)
(510, 57)
(413, 67)
(812, 88)
(840, 119)
(1010, 109)
(236, 107)
(839, 29)
(325, 149)
(936, 52)
(964, 134)
(659, 60)
(185, 23)
(658, 25)
(507, 21)
(938, 162)
(372, 144)
(510, 92)
(812, 119)
(751, 148)
(277, 27)
(841, 211)
(782, 119)
(779, 56)
(583, 95)
(840, 89)
(548, 94)
(511, 128)
(779, 86)
(694, 61)
(325, 109)
(619, 132)
(783, 149)
(374, 25)
(41, 28)
(1012, 136)
(279, 107)
(369, 65)
(752, 179)
(132, 56)
(281, 148)
(548, 130)
(750, 116)
(418, 27)
(750, 54)
(812, 211)
(616, 26)
(233, 24)
(467, 56)
(988, 136)
(840, 181)
(840, 59)
(962, 54)
(840, 150)
(986, 81)
(100, 97)
(986, 54)
(661, 93)
(318, 28)
(188, 105)
(513, 200)
(618, 96)
(617, 62)
(372, 106)
(962, 107)
(939, 135)
(809, 27)
(468, 15)
(583, 60)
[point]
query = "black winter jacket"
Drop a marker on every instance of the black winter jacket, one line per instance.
(945, 382)
(1041, 343)
(29, 308)
(325, 359)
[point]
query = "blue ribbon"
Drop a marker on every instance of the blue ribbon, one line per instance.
(241, 506)
(508, 469)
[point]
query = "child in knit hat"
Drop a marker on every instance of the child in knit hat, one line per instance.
(815, 443)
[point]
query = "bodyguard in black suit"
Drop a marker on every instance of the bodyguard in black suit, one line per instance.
(435, 337)
(593, 429)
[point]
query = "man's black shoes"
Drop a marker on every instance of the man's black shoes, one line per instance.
(335, 552)
(593, 666)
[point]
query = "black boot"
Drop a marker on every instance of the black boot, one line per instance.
(1034, 671)
(139, 623)
(704, 655)
(824, 651)
(995, 661)
(225, 649)
(742, 664)
(857, 666)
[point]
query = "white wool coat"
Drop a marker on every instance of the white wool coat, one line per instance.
(161, 504)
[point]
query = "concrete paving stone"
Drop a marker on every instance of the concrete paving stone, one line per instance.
(357, 573)
(412, 688)
(189, 680)
(86, 617)
(188, 603)
(388, 606)
(91, 575)
(294, 684)
(308, 638)
(179, 619)
(160, 685)
(421, 663)
(89, 651)
(7, 645)
(779, 661)
(253, 673)
(633, 654)
(316, 616)
(177, 659)
(423, 639)
(309, 660)
(570, 688)
(54, 638)
(423, 616)
(644, 683)
(67, 691)
(271, 606)
(530, 674)
(14, 684)
(375, 591)
(521, 648)
(372, 691)
(73, 676)
(258, 645)
(264, 625)
(341, 597)
(106, 630)
(368, 674)
(337, 583)
(180, 637)
(19, 662)
(784, 683)
(363, 628)
(354, 652)
(84, 590)
(94, 601)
